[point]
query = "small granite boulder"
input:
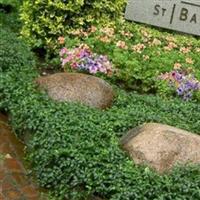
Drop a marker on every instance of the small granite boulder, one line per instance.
(77, 87)
(161, 146)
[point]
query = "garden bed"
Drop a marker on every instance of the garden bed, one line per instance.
(74, 149)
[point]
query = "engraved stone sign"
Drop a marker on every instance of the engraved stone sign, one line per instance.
(180, 15)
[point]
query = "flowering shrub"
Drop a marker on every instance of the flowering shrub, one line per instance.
(83, 59)
(139, 54)
(44, 20)
(184, 82)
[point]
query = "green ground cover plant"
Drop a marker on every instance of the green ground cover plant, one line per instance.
(74, 149)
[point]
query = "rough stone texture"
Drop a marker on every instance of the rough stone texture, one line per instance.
(177, 15)
(77, 87)
(161, 146)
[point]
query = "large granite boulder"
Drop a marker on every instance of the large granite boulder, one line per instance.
(161, 146)
(77, 87)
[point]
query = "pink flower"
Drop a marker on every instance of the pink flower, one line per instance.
(105, 39)
(102, 69)
(138, 48)
(66, 60)
(108, 31)
(127, 34)
(121, 44)
(63, 51)
(74, 65)
(82, 58)
(93, 70)
(185, 49)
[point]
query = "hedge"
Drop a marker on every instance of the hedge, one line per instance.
(9, 6)
(14, 53)
(45, 21)
(74, 149)
(9, 11)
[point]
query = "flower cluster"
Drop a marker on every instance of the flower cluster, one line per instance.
(184, 82)
(138, 48)
(170, 46)
(121, 44)
(82, 58)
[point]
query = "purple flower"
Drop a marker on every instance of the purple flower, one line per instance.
(63, 51)
(187, 96)
(82, 58)
(180, 91)
(178, 76)
(185, 84)
(93, 69)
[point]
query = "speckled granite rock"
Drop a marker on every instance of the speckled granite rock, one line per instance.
(161, 146)
(77, 87)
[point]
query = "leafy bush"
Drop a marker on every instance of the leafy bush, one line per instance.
(45, 21)
(13, 3)
(9, 14)
(14, 53)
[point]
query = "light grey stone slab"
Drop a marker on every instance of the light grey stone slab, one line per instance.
(180, 15)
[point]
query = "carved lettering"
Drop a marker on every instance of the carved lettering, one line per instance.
(179, 15)
(157, 11)
(184, 14)
(194, 19)
(163, 11)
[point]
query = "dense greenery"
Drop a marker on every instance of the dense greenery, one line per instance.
(74, 149)
(140, 54)
(45, 21)
(14, 53)
(9, 11)
(12, 3)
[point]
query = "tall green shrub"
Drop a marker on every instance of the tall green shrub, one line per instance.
(9, 14)
(44, 21)
(13, 3)
(14, 53)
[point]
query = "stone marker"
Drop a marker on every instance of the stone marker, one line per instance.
(161, 146)
(180, 15)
